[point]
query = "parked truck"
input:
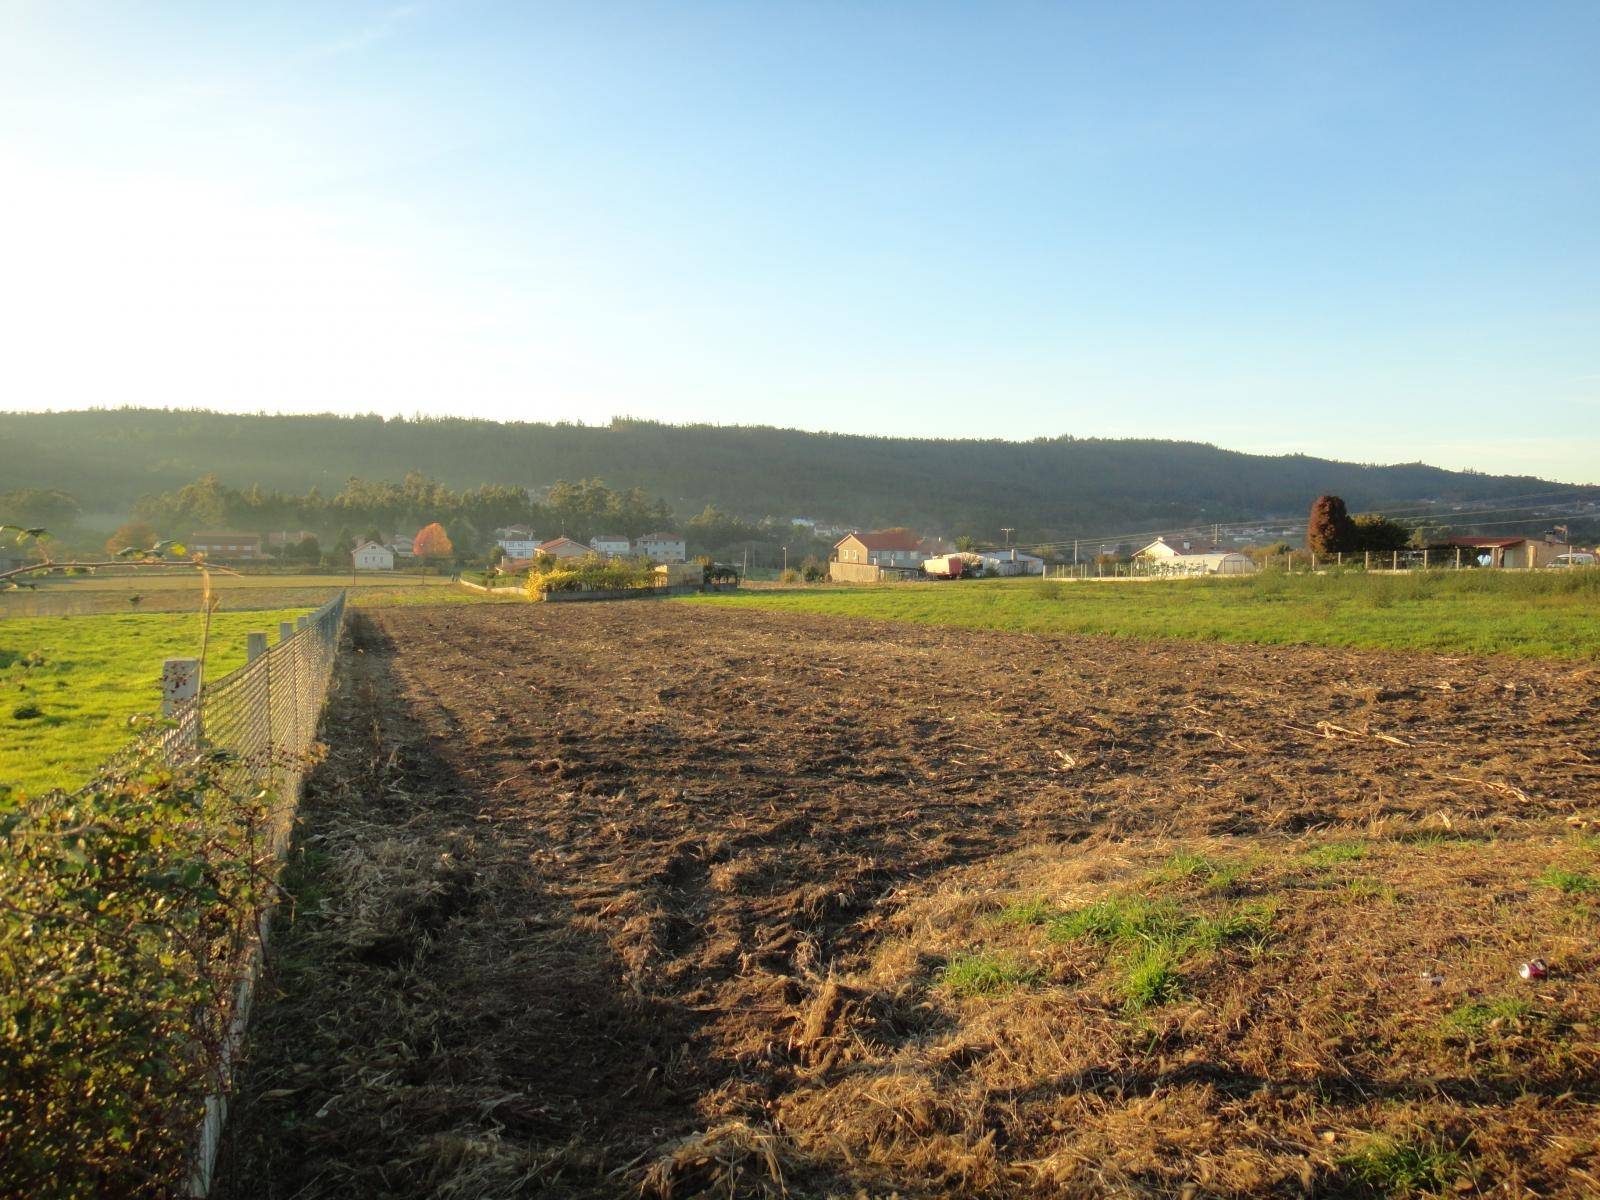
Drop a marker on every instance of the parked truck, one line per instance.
(948, 566)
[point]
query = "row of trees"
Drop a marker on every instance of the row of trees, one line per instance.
(1332, 530)
(581, 510)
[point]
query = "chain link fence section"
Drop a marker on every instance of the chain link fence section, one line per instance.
(262, 721)
(263, 716)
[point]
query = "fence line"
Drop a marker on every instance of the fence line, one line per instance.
(260, 723)
(265, 716)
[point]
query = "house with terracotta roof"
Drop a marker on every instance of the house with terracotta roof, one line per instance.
(215, 544)
(563, 547)
(877, 556)
(882, 548)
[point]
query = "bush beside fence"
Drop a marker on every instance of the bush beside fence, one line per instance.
(132, 914)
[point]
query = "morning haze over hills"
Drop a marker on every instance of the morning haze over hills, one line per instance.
(111, 458)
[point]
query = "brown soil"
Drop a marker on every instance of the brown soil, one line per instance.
(599, 899)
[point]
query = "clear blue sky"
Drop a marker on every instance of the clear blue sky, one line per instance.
(1368, 230)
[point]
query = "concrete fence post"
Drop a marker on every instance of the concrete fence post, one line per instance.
(180, 683)
(255, 645)
(285, 630)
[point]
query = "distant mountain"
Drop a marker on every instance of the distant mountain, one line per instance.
(1046, 487)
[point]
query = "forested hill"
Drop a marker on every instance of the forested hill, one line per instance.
(109, 458)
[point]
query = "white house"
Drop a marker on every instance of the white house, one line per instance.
(612, 545)
(369, 556)
(518, 547)
(1161, 548)
(1011, 562)
(661, 547)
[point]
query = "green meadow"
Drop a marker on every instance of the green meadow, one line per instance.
(69, 685)
(1553, 614)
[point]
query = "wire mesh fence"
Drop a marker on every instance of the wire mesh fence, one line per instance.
(256, 729)
(260, 719)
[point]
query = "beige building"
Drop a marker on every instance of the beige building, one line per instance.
(1513, 552)
(884, 548)
(563, 547)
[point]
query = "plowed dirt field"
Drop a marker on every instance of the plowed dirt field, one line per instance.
(595, 900)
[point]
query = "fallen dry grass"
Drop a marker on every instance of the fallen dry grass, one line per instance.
(639, 899)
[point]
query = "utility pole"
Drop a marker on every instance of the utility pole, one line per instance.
(1074, 551)
(786, 558)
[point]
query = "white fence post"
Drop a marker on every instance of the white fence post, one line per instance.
(180, 683)
(255, 645)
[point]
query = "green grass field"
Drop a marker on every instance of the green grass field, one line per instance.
(1552, 614)
(179, 591)
(84, 677)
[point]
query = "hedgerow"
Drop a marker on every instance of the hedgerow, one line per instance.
(125, 913)
(587, 574)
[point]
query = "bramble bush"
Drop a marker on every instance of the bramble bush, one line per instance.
(125, 913)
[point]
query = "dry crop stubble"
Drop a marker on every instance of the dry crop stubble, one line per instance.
(704, 901)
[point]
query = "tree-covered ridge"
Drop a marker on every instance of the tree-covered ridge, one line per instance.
(1046, 487)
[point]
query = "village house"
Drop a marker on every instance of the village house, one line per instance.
(883, 548)
(517, 541)
(370, 556)
(1161, 548)
(224, 545)
(661, 547)
(877, 556)
(612, 545)
(563, 547)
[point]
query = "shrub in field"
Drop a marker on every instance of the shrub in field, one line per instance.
(588, 574)
(124, 913)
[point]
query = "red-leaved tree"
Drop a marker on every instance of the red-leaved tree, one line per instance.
(1330, 529)
(432, 542)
